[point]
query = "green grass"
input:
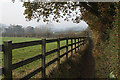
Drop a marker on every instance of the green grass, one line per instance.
(27, 52)
(17, 39)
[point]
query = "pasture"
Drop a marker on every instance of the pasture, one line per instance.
(27, 52)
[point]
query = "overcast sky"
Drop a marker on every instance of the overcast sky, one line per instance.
(12, 13)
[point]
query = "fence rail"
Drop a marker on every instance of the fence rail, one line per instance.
(8, 46)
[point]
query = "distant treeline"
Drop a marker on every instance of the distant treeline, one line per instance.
(19, 31)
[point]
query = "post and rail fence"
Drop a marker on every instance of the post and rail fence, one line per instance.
(8, 46)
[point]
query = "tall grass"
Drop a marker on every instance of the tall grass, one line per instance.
(107, 59)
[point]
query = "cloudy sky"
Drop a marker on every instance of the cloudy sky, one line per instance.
(12, 13)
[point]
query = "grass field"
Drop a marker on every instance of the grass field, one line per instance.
(27, 52)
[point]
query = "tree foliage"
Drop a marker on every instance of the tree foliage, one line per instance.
(99, 15)
(16, 29)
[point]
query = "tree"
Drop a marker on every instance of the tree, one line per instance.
(29, 29)
(100, 18)
(14, 30)
(45, 31)
(37, 30)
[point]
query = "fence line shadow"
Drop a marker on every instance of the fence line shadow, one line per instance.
(87, 62)
(81, 65)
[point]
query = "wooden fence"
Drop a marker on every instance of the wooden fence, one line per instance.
(8, 46)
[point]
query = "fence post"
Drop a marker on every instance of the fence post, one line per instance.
(71, 47)
(58, 53)
(83, 41)
(67, 49)
(78, 43)
(8, 60)
(43, 57)
(75, 45)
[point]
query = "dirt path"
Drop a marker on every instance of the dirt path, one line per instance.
(87, 62)
(81, 65)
